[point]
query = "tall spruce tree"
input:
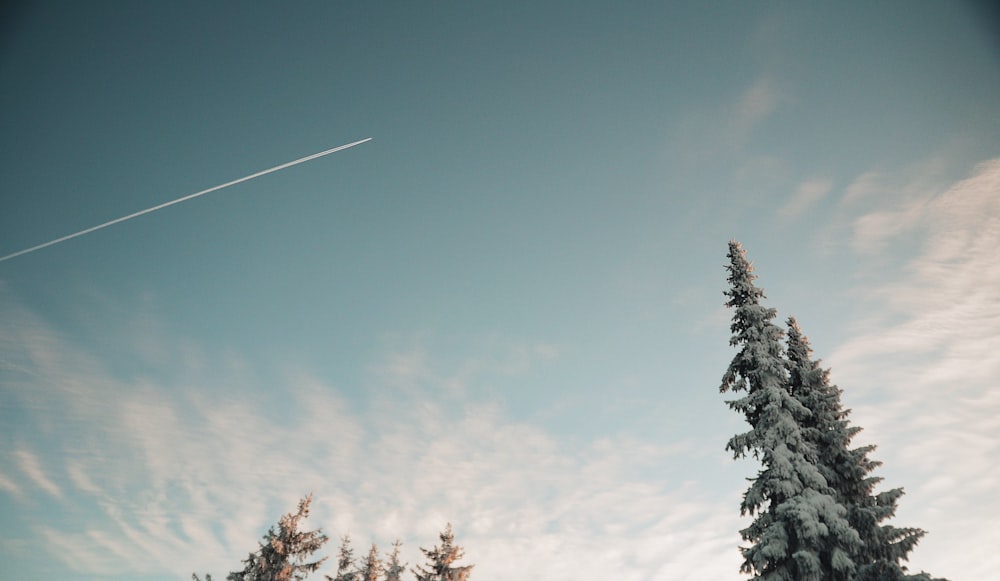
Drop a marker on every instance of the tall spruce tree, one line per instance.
(393, 569)
(800, 532)
(847, 471)
(284, 554)
(439, 561)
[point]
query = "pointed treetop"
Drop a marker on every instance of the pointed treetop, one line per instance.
(371, 567)
(346, 567)
(393, 569)
(440, 559)
(742, 290)
(759, 363)
(283, 554)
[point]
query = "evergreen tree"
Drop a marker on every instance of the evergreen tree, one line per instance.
(371, 568)
(283, 556)
(440, 559)
(393, 569)
(846, 470)
(346, 568)
(800, 532)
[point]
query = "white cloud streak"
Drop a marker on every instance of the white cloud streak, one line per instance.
(31, 468)
(806, 195)
(182, 199)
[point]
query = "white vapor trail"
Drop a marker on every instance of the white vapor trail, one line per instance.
(185, 198)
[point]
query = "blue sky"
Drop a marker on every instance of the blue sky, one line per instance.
(505, 311)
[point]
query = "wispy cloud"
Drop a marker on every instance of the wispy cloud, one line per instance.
(925, 357)
(8, 485)
(31, 468)
(726, 127)
(880, 206)
(946, 292)
(754, 106)
(806, 195)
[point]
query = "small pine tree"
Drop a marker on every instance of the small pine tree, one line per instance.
(283, 556)
(393, 569)
(371, 567)
(799, 532)
(346, 567)
(847, 470)
(440, 559)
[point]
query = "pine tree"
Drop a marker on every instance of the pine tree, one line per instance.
(393, 569)
(283, 554)
(371, 567)
(800, 532)
(847, 470)
(439, 561)
(346, 568)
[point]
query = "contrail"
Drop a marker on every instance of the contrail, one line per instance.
(185, 198)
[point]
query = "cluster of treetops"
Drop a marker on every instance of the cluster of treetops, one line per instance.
(286, 554)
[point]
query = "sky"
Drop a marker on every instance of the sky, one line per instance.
(505, 311)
